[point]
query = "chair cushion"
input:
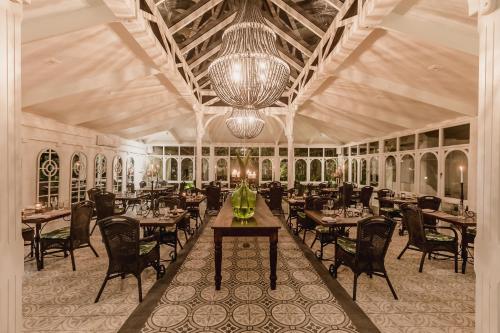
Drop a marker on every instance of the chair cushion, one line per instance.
(347, 244)
(438, 237)
(322, 229)
(62, 233)
(146, 247)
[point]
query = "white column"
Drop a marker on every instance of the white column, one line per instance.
(11, 245)
(289, 136)
(200, 131)
(487, 243)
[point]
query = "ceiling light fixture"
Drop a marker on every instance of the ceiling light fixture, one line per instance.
(245, 123)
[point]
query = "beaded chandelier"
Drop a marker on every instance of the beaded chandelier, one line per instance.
(248, 72)
(245, 123)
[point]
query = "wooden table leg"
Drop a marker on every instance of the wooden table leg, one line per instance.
(218, 260)
(463, 247)
(38, 259)
(273, 258)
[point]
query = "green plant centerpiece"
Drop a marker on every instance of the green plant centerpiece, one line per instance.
(243, 199)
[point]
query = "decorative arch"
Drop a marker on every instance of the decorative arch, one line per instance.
(48, 166)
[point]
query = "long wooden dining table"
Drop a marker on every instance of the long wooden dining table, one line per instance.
(38, 220)
(262, 224)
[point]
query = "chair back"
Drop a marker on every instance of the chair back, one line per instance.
(213, 197)
(412, 218)
(275, 197)
(318, 203)
(81, 214)
(374, 235)
(300, 188)
(309, 202)
(131, 187)
(347, 190)
(429, 202)
(142, 184)
(104, 204)
(182, 186)
(365, 195)
(170, 202)
(92, 192)
(120, 235)
(384, 193)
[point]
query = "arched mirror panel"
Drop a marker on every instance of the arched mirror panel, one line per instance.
(117, 174)
(374, 171)
(78, 177)
(300, 170)
(100, 178)
(221, 174)
(204, 170)
(456, 169)
(364, 172)
(48, 178)
(428, 174)
(354, 171)
(130, 170)
(171, 167)
(315, 171)
(267, 170)
(390, 172)
(284, 170)
(330, 169)
(187, 170)
(407, 174)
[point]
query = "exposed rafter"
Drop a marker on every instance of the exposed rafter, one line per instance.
(290, 9)
(337, 4)
(197, 11)
(285, 33)
(204, 56)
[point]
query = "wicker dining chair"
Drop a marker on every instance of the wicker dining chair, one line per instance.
(275, 200)
(427, 239)
(127, 253)
(105, 206)
(213, 193)
(69, 239)
(429, 202)
(366, 253)
(365, 196)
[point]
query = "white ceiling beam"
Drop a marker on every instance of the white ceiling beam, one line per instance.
(337, 4)
(299, 17)
(53, 89)
(47, 26)
(212, 31)
(290, 60)
(452, 35)
(427, 97)
(205, 56)
(208, 5)
(290, 39)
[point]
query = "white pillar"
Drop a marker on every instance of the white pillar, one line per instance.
(11, 245)
(487, 243)
(200, 131)
(289, 136)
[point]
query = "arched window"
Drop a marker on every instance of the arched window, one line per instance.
(315, 171)
(354, 171)
(48, 178)
(428, 174)
(267, 170)
(100, 171)
(154, 170)
(300, 170)
(454, 161)
(117, 174)
(374, 171)
(78, 177)
(204, 170)
(171, 167)
(187, 169)
(407, 174)
(130, 170)
(221, 170)
(364, 171)
(390, 172)
(330, 169)
(284, 170)
(345, 170)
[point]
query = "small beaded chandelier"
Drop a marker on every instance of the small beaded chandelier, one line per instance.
(248, 71)
(245, 123)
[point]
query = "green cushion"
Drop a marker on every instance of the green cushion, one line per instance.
(302, 215)
(146, 247)
(437, 237)
(471, 231)
(62, 233)
(322, 229)
(389, 209)
(347, 244)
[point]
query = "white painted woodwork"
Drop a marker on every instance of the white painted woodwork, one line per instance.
(11, 244)
(208, 5)
(299, 17)
(487, 242)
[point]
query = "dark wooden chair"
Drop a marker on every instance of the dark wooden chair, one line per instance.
(366, 253)
(68, 239)
(105, 206)
(365, 196)
(387, 208)
(142, 184)
(180, 203)
(275, 199)
(28, 234)
(429, 202)
(127, 253)
(213, 200)
(426, 239)
(305, 224)
(345, 198)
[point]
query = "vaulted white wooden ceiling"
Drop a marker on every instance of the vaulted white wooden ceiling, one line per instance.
(137, 69)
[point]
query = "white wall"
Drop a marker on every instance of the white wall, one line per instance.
(39, 133)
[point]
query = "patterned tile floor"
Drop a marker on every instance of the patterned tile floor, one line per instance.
(300, 303)
(60, 300)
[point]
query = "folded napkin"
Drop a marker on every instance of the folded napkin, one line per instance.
(328, 219)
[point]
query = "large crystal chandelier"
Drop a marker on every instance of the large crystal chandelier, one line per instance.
(245, 123)
(248, 72)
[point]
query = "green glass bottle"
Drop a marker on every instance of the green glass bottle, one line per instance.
(243, 199)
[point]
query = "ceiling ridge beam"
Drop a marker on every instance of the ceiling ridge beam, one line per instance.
(203, 35)
(295, 13)
(199, 9)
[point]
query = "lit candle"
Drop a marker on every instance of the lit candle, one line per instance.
(461, 174)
